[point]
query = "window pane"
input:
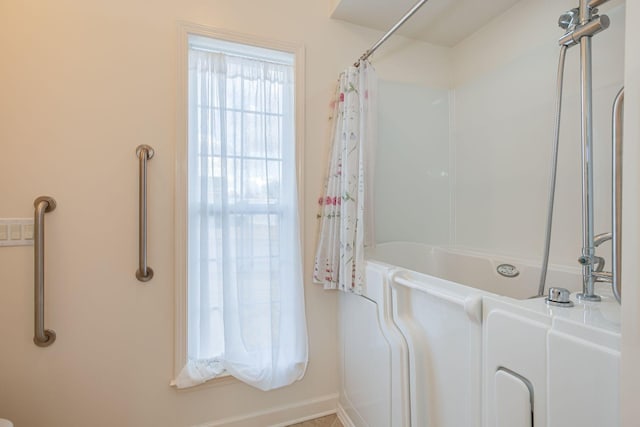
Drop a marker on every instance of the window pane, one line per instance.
(237, 200)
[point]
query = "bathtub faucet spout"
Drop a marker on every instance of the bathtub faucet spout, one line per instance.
(598, 273)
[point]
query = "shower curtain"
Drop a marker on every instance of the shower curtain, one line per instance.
(346, 206)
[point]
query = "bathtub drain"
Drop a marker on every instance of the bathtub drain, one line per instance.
(507, 270)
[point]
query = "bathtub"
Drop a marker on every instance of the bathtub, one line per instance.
(412, 344)
(473, 269)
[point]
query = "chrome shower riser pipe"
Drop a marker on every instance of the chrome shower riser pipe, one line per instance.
(588, 248)
(579, 31)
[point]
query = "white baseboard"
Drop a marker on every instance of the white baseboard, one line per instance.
(283, 415)
(343, 417)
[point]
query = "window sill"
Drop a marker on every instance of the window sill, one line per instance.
(220, 380)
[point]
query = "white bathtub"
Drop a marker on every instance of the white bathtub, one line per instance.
(412, 345)
(473, 269)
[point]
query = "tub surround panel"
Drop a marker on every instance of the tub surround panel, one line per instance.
(504, 90)
(412, 188)
(478, 177)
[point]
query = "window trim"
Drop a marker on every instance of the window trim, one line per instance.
(186, 30)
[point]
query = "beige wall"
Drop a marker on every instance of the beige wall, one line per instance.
(82, 83)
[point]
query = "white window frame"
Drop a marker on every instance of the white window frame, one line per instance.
(181, 172)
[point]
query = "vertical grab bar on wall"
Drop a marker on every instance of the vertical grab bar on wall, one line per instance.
(42, 337)
(616, 203)
(144, 273)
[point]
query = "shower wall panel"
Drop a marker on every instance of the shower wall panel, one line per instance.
(503, 114)
(412, 183)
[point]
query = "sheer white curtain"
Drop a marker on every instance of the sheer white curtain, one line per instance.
(346, 207)
(245, 298)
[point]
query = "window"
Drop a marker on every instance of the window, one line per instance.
(245, 306)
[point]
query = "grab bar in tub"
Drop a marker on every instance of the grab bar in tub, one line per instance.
(42, 337)
(616, 204)
(472, 304)
(144, 273)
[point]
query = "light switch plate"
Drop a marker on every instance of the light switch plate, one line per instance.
(16, 231)
(27, 231)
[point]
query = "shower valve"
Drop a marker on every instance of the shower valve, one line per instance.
(596, 261)
(576, 32)
(569, 19)
(586, 260)
(559, 297)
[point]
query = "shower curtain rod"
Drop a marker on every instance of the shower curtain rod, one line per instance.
(393, 29)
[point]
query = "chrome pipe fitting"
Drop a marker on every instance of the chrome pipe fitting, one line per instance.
(594, 26)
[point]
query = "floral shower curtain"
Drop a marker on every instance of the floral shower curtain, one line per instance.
(346, 207)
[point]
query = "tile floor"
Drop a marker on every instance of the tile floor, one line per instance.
(328, 421)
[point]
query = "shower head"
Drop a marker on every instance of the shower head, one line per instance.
(569, 19)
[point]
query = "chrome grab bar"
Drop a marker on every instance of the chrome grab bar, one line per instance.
(616, 203)
(42, 337)
(144, 273)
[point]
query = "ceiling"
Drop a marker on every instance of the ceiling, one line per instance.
(441, 22)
